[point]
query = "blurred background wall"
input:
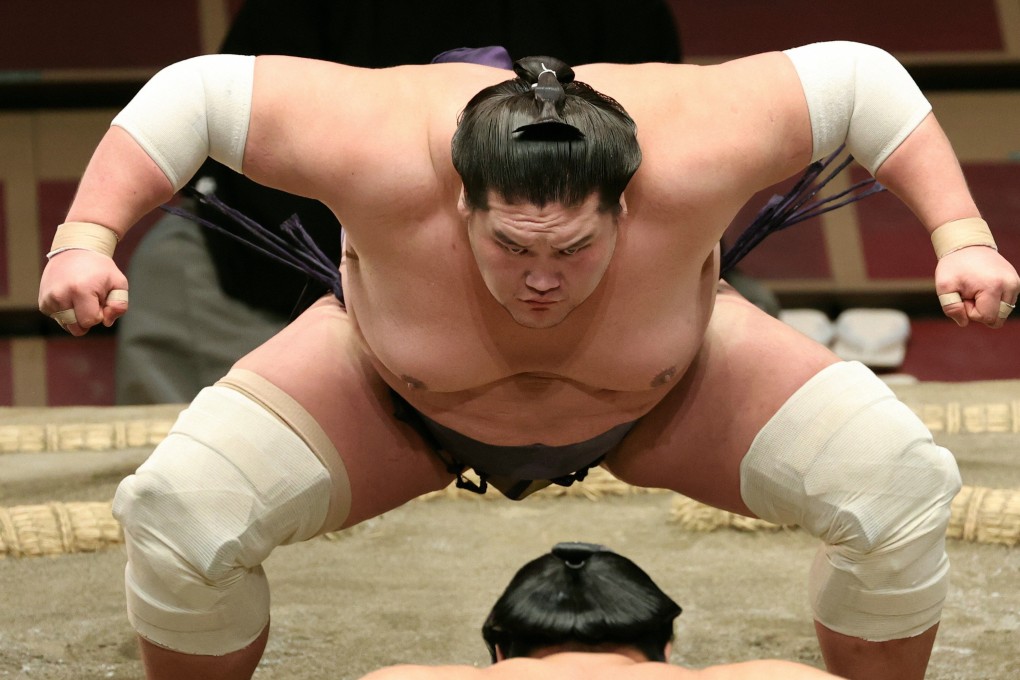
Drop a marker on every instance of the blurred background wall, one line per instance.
(67, 66)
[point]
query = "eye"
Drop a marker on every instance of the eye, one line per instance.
(514, 250)
(572, 251)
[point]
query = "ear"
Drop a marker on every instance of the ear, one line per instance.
(667, 650)
(500, 656)
(462, 206)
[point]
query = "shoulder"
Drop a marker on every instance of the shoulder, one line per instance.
(409, 672)
(764, 669)
(768, 71)
(742, 124)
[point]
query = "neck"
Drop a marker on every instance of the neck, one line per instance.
(600, 653)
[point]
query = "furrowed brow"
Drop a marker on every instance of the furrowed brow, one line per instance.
(583, 241)
(502, 237)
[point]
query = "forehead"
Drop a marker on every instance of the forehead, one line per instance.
(518, 218)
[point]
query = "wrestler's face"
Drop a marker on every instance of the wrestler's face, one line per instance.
(541, 262)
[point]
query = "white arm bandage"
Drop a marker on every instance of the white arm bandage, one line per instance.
(858, 94)
(191, 110)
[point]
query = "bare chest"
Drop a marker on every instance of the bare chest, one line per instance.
(432, 325)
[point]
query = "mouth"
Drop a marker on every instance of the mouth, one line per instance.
(540, 304)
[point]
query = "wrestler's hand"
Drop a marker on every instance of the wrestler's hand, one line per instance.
(983, 279)
(80, 289)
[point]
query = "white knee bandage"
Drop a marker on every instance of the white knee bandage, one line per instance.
(858, 94)
(192, 110)
(849, 463)
(228, 484)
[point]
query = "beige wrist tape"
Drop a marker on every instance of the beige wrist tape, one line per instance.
(952, 236)
(83, 236)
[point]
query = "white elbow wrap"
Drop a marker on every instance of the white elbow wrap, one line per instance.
(191, 110)
(851, 464)
(858, 94)
(229, 483)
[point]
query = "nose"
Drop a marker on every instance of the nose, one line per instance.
(541, 281)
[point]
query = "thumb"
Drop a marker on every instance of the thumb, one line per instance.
(953, 307)
(115, 306)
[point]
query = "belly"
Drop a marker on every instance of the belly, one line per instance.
(526, 409)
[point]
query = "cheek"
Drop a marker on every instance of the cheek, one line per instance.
(590, 267)
(498, 271)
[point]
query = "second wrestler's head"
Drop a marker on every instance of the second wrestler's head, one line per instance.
(581, 597)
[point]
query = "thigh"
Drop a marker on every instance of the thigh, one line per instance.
(694, 440)
(319, 361)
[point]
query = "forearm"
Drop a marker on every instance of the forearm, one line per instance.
(925, 174)
(862, 97)
(119, 186)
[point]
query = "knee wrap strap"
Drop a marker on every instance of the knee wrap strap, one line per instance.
(228, 484)
(849, 463)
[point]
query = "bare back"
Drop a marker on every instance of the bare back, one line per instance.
(588, 666)
(425, 319)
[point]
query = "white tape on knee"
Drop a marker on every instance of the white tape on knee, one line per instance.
(858, 94)
(228, 484)
(192, 110)
(849, 463)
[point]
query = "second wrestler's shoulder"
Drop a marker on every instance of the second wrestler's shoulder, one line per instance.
(530, 669)
(762, 669)
(410, 672)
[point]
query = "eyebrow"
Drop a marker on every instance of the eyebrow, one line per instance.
(502, 237)
(583, 241)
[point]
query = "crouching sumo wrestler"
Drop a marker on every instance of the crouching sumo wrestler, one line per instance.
(530, 285)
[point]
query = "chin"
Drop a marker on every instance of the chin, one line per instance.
(546, 319)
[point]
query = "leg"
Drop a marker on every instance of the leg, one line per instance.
(232, 481)
(159, 662)
(826, 446)
(694, 441)
(853, 657)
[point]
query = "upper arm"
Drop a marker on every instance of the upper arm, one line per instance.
(326, 130)
(763, 115)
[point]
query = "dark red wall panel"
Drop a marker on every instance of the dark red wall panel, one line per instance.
(64, 34)
(80, 371)
(739, 27)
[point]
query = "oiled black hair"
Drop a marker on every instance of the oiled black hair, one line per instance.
(545, 138)
(581, 594)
